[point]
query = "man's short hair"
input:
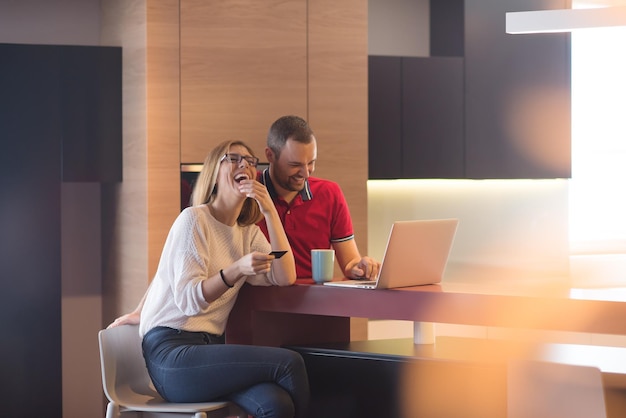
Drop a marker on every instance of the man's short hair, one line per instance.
(288, 127)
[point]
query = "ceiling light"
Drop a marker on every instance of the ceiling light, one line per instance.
(564, 20)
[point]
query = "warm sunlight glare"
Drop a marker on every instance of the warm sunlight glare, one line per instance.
(597, 189)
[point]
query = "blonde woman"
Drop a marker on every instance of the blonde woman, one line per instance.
(212, 249)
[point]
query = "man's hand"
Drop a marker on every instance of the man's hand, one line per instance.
(366, 268)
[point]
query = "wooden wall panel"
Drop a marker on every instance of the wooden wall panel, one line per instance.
(148, 199)
(125, 222)
(337, 105)
(243, 64)
(163, 110)
(338, 100)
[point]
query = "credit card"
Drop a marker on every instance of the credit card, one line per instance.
(278, 254)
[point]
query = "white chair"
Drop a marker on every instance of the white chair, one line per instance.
(539, 389)
(128, 387)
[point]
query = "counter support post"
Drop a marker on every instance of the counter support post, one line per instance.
(423, 332)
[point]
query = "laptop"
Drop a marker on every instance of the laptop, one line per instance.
(416, 254)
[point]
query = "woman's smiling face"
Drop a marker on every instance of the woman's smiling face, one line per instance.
(235, 167)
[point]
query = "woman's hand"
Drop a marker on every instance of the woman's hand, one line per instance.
(248, 265)
(258, 192)
(255, 263)
(283, 270)
(132, 318)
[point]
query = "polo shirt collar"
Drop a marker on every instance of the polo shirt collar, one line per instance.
(305, 193)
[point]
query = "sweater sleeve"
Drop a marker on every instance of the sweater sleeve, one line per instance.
(190, 248)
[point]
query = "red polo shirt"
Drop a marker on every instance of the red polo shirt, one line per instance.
(317, 217)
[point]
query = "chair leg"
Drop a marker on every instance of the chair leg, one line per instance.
(113, 410)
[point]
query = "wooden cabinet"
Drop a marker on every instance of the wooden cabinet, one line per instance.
(243, 64)
(502, 110)
(221, 70)
(337, 100)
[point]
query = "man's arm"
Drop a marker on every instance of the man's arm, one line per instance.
(352, 264)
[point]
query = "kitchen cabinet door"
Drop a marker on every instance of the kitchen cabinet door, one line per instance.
(432, 117)
(501, 111)
(517, 95)
(243, 64)
(415, 117)
(385, 117)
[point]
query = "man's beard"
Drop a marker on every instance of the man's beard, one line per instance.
(291, 185)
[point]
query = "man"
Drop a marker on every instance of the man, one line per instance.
(313, 211)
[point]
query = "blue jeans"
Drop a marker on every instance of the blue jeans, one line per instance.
(267, 382)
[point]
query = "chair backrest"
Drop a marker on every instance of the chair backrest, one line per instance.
(551, 390)
(124, 373)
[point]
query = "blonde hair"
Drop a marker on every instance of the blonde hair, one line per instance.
(205, 188)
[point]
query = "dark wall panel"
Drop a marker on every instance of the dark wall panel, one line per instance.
(447, 28)
(42, 104)
(92, 151)
(30, 237)
(517, 95)
(432, 118)
(385, 117)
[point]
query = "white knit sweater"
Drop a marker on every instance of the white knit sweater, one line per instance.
(197, 247)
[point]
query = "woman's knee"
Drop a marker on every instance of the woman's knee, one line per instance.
(266, 400)
(296, 362)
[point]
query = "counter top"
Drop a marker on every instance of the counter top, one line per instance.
(530, 305)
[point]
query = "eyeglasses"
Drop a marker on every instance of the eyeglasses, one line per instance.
(236, 159)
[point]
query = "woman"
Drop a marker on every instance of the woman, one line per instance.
(212, 249)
